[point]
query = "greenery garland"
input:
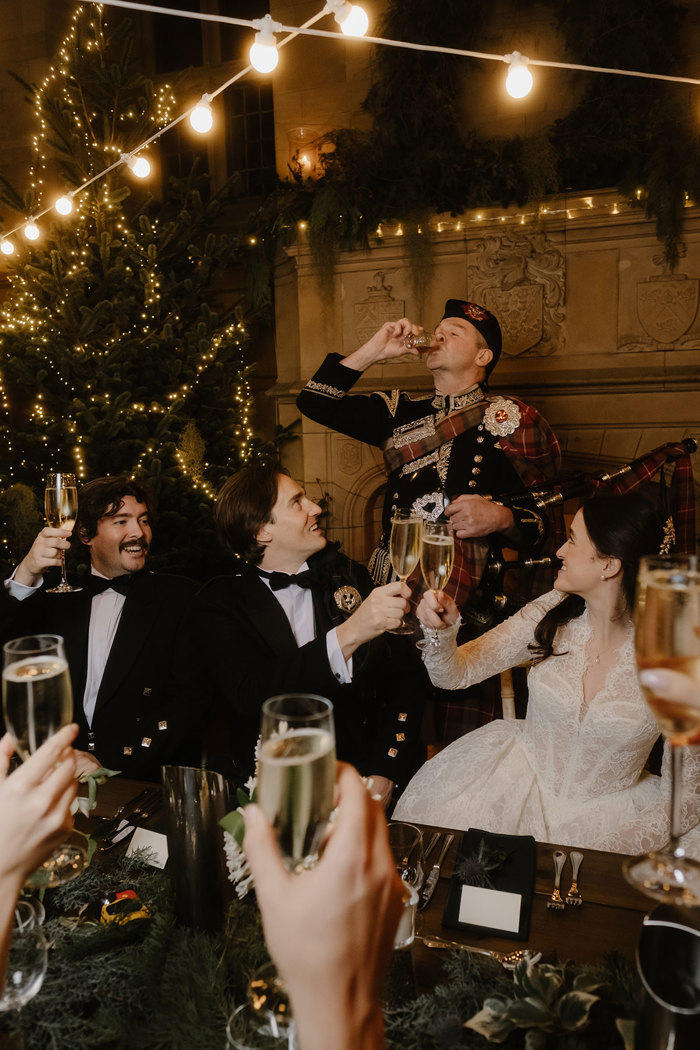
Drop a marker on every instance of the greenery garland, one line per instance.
(110, 987)
(417, 159)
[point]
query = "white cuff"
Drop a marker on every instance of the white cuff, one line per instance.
(20, 591)
(336, 661)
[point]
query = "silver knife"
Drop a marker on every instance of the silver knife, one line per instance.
(432, 879)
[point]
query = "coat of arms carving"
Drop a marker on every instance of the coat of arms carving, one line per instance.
(378, 308)
(521, 278)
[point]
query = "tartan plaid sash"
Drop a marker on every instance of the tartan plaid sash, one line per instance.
(534, 453)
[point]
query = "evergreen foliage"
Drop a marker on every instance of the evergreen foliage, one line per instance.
(418, 158)
(118, 350)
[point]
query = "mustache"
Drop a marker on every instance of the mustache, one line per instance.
(132, 543)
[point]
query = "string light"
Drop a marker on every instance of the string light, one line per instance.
(6, 247)
(31, 231)
(201, 117)
(519, 78)
(64, 205)
(140, 166)
(264, 55)
(352, 19)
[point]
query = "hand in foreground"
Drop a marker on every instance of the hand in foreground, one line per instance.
(473, 516)
(43, 553)
(385, 344)
(35, 805)
(437, 610)
(331, 930)
(382, 610)
(675, 686)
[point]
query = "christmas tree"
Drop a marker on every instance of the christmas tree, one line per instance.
(116, 355)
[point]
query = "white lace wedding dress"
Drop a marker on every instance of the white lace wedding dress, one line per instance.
(568, 773)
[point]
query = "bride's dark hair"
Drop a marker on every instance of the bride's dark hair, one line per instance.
(625, 527)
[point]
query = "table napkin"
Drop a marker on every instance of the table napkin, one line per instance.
(516, 875)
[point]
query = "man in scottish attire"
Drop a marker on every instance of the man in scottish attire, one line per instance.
(451, 453)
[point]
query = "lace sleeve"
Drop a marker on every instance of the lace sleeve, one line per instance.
(504, 646)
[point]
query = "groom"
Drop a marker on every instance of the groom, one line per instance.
(301, 617)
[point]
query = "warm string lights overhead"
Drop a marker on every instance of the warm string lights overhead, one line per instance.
(264, 57)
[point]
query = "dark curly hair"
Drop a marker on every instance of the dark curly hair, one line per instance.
(244, 504)
(625, 527)
(102, 498)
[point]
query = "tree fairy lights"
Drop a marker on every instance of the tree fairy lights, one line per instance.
(114, 356)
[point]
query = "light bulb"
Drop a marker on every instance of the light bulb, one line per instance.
(356, 23)
(263, 57)
(64, 205)
(31, 231)
(263, 54)
(201, 117)
(139, 165)
(7, 247)
(519, 79)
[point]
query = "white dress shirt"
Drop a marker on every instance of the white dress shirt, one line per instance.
(105, 614)
(298, 605)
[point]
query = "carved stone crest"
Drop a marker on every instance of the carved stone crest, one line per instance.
(521, 279)
(667, 305)
(378, 308)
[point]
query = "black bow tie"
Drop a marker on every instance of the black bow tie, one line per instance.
(279, 580)
(97, 584)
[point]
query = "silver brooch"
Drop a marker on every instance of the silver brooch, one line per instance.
(502, 417)
(430, 506)
(347, 598)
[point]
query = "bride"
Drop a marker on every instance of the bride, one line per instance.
(572, 772)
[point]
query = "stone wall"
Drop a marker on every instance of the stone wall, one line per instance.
(598, 335)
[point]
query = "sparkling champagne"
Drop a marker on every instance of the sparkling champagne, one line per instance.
(437, 556)
(37, 700)
(295, 791)
(61, 506)
(404, 545)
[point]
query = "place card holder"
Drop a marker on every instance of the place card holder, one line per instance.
(503, 911)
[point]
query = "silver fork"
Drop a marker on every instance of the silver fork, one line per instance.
(508, 960)
(555, 901)
(574, 896)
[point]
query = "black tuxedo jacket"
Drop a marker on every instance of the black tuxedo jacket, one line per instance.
(146, 711)
(250, 652)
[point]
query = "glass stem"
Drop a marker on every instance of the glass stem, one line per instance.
(677, 756)
(63, 568)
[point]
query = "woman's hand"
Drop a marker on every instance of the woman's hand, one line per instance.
(331, 930)
(35, 804)
(437, 610)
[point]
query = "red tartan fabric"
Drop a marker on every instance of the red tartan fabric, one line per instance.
(682, 491)
(533, 451)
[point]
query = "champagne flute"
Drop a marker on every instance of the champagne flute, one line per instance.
(296, 779)
(296, 773)
(26, 967)
(404, 548)
(667, 635)
(37, 700)
(61, 507)
(437, 557)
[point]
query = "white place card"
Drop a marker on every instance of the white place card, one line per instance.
(493, 909)
(154, 842)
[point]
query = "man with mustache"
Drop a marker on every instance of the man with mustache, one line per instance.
(125, 641)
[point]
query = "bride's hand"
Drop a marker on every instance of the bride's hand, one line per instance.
(436, 609)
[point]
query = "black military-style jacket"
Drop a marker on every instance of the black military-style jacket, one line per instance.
(471, 463)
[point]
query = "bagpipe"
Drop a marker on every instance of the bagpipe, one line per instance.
(495, 597)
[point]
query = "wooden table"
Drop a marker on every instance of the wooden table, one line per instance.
(610, 917)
